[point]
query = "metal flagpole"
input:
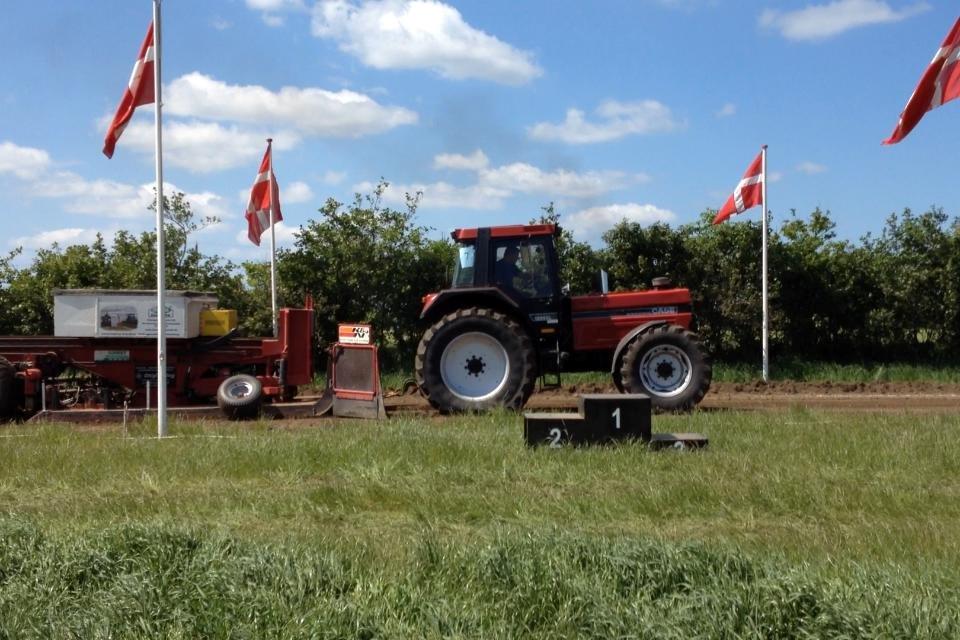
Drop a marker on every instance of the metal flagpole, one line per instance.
(161, 261)
(766, 327)
(273, 242)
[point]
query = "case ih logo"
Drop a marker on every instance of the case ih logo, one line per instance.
(354, 334)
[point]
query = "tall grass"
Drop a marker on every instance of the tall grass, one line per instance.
(797, 524)
(147, 581)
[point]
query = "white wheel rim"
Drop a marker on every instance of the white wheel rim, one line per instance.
(239, 389)
(474, 366)
(665, 371)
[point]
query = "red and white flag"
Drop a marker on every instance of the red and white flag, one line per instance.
(139, 91)
(749, 193)
(265, 193)
(938, 85)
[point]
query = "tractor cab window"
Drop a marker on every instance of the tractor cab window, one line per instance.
(463, 269)
(522, 268)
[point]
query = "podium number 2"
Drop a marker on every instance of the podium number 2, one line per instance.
(616, 416)
(555, 438)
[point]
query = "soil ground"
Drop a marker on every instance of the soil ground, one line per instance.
(779, 395)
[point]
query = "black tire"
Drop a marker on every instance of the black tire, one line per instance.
(667, 364)
(240, 397)
(497, 331)
(8, 397)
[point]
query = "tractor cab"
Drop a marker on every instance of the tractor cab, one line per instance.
(519, 260)
(513, 268)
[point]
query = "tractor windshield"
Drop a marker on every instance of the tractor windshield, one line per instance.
(463, 269)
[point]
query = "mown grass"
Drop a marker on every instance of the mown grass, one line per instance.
(808, 371)
(790, 370)
(798, 524)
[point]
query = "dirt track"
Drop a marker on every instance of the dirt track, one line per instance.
(775, 396)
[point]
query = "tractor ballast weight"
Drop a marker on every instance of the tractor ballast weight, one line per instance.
(506, 320)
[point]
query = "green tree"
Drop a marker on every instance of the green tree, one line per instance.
(365, 262)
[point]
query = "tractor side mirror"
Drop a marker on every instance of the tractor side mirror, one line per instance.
(604, 282)
(565, 289)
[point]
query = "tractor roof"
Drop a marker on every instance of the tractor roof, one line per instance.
(508, 231)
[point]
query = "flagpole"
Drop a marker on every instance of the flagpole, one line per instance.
(161, 261)
(764, 230)
(273, 243)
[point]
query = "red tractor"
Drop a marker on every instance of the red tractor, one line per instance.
(506, 320)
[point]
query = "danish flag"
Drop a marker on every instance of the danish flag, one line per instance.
(264, 195)
(939, 84)
(139, 92)
(749, 193)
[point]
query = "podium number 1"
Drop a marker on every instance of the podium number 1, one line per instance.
(616, 416)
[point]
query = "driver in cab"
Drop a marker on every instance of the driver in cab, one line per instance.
(507, 270)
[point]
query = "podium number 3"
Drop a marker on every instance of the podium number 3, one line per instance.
(616, 416)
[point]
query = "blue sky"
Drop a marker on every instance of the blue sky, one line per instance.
(648, 109)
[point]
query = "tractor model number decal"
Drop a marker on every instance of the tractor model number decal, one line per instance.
(642, 311)
(549, 318)
(111, 355)
(353, 334)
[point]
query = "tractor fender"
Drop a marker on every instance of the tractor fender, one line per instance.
(450, 300)
(627, 339)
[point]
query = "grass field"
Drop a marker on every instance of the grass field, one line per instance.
(796, 524)
(795, 370)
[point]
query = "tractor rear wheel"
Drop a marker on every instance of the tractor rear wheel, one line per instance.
(476, 359)
(667, 364)
(8, 398)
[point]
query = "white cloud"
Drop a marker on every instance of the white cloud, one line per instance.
(63, 237)
(589, 224)
(112, 199)
(811, 168)
(310, 111)
(334, 177)
(494, 185)
(270, 10)
(286, 235)
(272, 20)
(440, 195)
(221, 24)
(420, 34)
(203, 147)
(24, 162)
(296, 192)
(473, 162)
(774, 176)
(616, 120)
(276, 5)
(727, 110)
(820, 21)
(526, 178)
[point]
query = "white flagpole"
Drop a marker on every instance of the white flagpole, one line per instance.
(273, 243)
(161, 262)
(766, 327)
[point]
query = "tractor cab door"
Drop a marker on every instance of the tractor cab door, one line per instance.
(526, 270)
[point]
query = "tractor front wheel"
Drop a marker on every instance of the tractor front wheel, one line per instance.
(667, 364)
(476, 359)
